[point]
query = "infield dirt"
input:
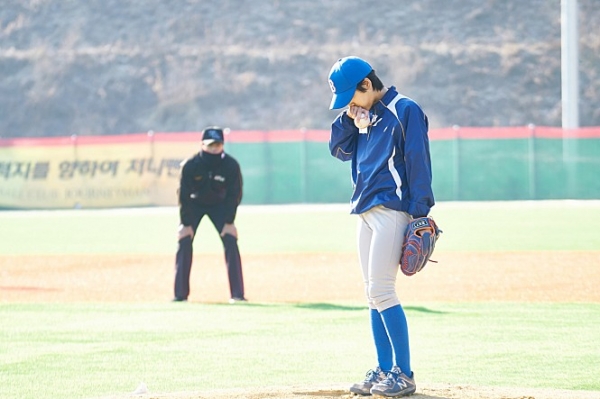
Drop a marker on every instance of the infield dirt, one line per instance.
(324, 277)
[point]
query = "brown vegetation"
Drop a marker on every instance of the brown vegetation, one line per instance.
(111, 66)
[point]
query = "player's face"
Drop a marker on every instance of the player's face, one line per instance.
(213, 148)
(363, 100)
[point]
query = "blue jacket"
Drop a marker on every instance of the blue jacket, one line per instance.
(391, 164)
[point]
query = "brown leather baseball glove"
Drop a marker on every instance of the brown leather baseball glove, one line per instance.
(419, 243)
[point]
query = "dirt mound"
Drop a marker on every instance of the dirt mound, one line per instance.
(426, 391)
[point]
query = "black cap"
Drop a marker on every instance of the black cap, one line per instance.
(212, 134)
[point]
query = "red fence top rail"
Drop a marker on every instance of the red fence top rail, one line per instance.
(517, 132)
(276, 136)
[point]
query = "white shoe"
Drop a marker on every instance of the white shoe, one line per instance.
(371, 378)
(395, 384)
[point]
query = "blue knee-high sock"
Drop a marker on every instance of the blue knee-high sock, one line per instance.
(382, 341)
(397, 329)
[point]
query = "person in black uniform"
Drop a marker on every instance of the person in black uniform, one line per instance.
(211, 185)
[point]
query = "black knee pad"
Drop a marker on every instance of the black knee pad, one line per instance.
(185, 243)
(228, 239)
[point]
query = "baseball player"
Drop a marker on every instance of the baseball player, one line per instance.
(384, 135)
(211, 185)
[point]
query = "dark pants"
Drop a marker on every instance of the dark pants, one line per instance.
(183, 259)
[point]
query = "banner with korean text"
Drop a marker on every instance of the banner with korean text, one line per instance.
(294, 166)
(92, 172)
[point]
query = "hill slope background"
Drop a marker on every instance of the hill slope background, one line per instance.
(109, 67)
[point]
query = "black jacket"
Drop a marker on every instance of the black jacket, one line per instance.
(209, 180)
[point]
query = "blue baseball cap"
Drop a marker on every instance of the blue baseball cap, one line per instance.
(345, 74)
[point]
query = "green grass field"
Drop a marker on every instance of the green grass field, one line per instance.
(84, 350)
(485, 226)
(77, 351)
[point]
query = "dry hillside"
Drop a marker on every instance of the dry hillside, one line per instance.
(124, 66)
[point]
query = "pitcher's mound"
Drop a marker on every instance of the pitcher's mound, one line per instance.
(429, 391)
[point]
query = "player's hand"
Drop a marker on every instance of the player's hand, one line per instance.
(230, 229)
(356, 111)
(184, 231)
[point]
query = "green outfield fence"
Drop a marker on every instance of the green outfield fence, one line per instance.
(469, 164)
(279, 167)
(516, 163)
